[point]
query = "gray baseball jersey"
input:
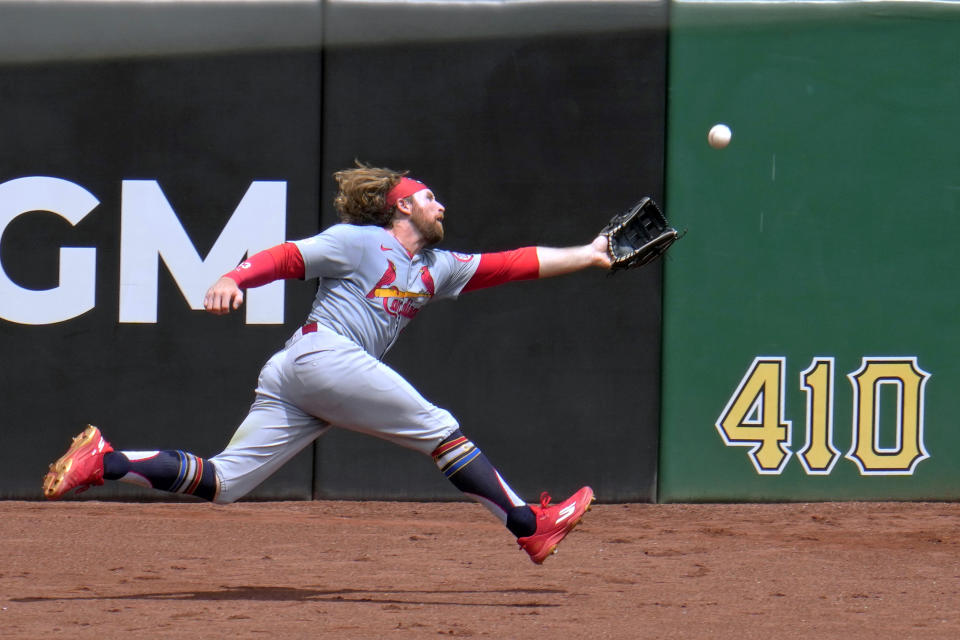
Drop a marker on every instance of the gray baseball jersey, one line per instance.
(370, 287)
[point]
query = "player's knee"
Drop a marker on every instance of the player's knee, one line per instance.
(430, 445)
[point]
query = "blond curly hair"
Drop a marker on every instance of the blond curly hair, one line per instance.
(362, 194)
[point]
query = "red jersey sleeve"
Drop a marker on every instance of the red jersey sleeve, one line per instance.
(283, 261)
(505, 266)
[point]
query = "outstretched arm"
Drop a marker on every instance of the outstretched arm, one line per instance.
(530, 263)
(555, 262)
(281, 261)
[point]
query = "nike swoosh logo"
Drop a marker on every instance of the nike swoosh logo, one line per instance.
(383, 248)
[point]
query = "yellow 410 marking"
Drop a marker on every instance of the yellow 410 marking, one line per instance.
(754, 416)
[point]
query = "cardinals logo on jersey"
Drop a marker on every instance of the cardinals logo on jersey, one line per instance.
(427, 280)
(402, 303)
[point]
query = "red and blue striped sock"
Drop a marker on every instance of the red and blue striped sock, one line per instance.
(468, 469)
(174, 471)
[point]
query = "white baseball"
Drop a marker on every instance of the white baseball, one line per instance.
(719, 136)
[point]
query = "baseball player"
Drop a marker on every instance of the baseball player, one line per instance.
(376, 270)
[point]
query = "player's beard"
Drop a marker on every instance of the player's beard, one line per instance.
(431, 230)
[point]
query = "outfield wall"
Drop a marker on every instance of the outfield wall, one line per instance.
(809, 351)
(164, 125)
(806, 346)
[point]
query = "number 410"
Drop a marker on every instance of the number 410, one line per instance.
(754, 416)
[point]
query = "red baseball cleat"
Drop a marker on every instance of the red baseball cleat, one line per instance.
(554, 522)
(81, 466)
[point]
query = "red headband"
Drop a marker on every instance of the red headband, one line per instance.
(406, 187)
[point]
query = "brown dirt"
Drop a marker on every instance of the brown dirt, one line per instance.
(413, 570)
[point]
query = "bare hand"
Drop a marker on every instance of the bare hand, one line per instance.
(223, 297)
(600, 247)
